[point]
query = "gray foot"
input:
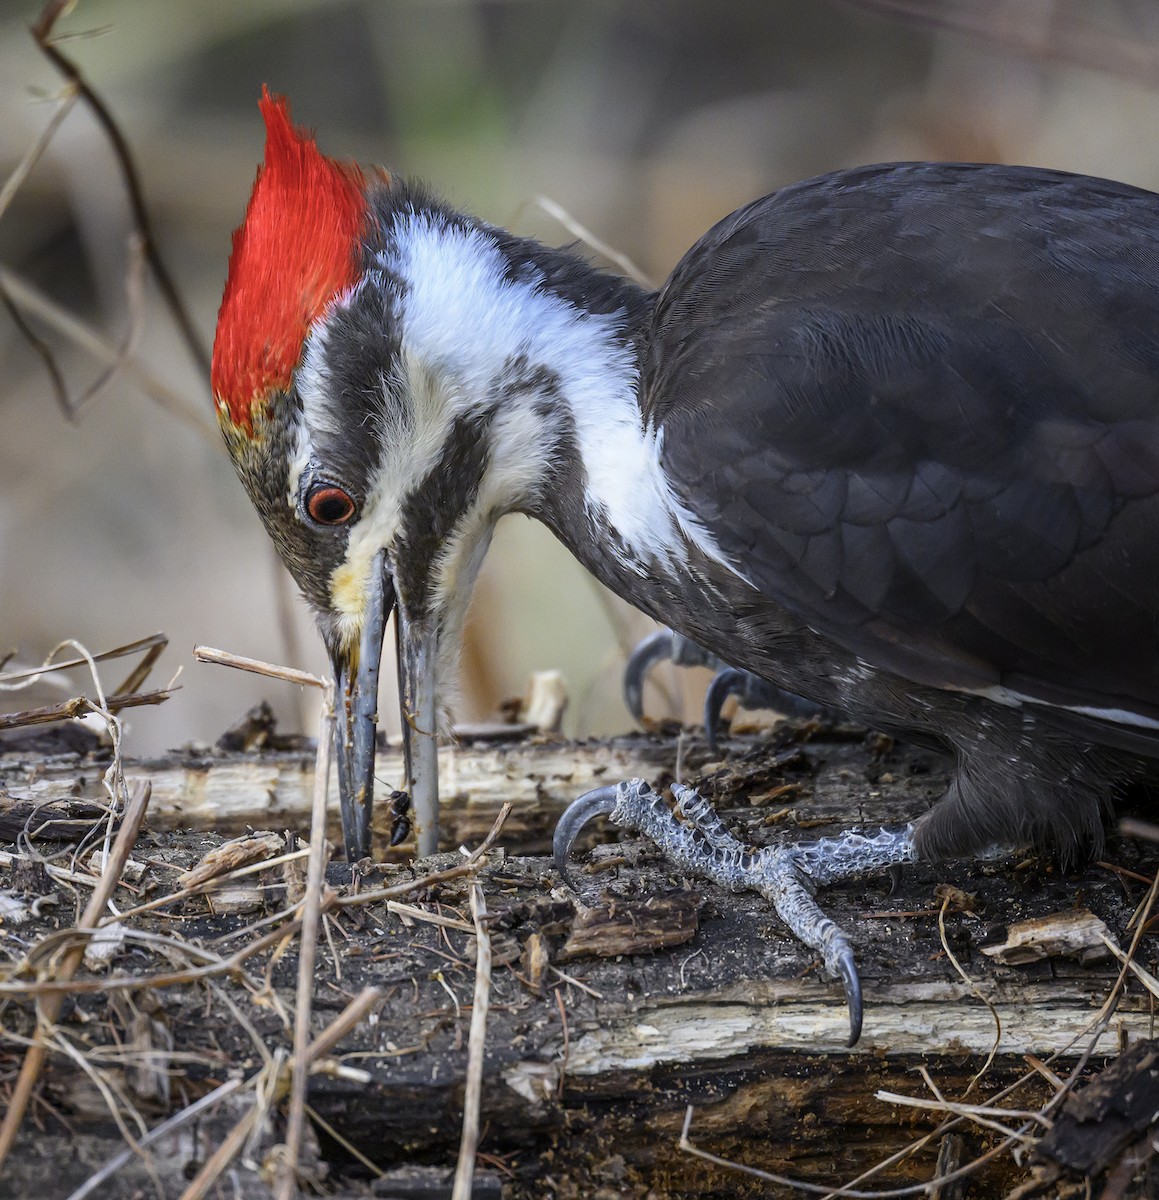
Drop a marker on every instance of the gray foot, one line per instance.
(786, 875)
(750, 690)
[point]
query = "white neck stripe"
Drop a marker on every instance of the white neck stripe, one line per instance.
(462, 316)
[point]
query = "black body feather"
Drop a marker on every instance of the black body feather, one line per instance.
(918, 407)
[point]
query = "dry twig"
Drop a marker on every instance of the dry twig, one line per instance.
(80, 706)
(311, 917)
(187, 1114)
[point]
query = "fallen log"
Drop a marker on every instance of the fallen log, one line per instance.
(230, 791)
(608, 1017)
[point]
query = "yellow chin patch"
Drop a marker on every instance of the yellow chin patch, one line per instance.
(348, 590)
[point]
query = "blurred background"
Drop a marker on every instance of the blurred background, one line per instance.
(645, 121)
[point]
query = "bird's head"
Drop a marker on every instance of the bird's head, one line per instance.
(372, 470)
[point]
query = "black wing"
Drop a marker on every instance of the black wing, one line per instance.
(918, 405)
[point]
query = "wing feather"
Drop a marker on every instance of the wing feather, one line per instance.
(918, 406)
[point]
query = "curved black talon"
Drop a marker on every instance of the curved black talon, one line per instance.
(847, 968)
(663, 645)
(599, 802)
(724, 683)
(753, 692)
(656, 647)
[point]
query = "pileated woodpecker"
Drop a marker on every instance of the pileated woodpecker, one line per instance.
(888, 438)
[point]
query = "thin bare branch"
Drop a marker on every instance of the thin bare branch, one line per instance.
(35, 152)
(30, 299)
(135, 303)
(1030, 30)
(42, 32)
(41, 348)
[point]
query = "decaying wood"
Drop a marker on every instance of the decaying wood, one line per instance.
(230, 792)
(606, 1021)
(1107, 1124)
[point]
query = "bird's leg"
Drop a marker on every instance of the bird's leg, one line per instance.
(786, 875)
(750, 690)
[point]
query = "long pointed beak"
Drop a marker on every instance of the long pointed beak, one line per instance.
(356, 677)
(417, 656)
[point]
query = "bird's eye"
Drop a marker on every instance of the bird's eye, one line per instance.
(328, 504)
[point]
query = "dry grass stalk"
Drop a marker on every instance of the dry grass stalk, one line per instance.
(977, 992)
(470, 864)
(476, 1043)
(151, 646)
(210, 885)
(230, 1147)
(50, 1005)
(207, 654)
(581, 233)
(343, 1023)
(430, 918)
(125, 695)
(187, 1114)
(225, 966)
(271, 1082)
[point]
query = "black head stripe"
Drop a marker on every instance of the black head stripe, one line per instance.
(431, 512)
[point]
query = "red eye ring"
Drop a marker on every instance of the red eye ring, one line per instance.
(328, 504)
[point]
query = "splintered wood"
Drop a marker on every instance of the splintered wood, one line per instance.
(607, 1015)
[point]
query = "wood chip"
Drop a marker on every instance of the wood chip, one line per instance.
(230, 855)
(544, 701)
(1075, 933)
(633, 927)
(536, 960)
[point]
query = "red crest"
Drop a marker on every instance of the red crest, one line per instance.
(296, 250)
